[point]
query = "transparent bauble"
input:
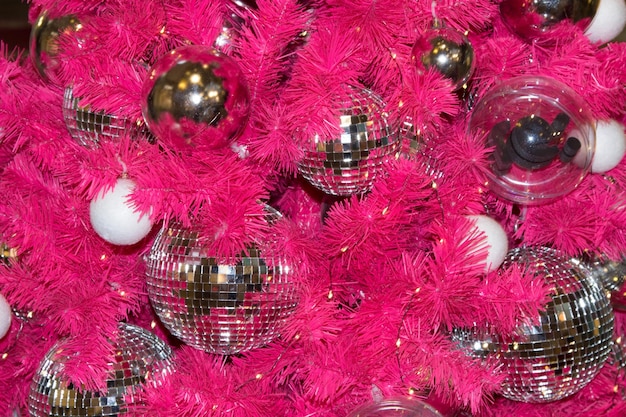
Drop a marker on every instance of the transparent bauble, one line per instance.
(140, 358)
(195, 97)
(395, 407)
(89, 128)
(539, 136)
(536, 19)
(218, 307)
(446, 50)
(350, 163)
(556, 354)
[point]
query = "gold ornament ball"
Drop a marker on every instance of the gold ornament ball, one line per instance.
(44, 42)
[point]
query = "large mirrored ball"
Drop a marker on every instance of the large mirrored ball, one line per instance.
(535, 19)
(140, 358)
(446, 50)
(222, 308)
(44, 42)
(196, 97)
(350, 162)
(556, 354)
(539, 136)
(89, 128)
(395, 407)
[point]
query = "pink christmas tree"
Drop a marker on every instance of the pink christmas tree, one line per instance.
(307, 206)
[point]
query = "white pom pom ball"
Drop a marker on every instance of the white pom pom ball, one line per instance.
(608, 22)
(113, 217)
(610, 146)
(496, 240)
(5, 316)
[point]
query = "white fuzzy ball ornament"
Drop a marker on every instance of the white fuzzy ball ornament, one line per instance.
(496, 240)
(608, 22)
(5, 316)
(610, 146)
(113, 217)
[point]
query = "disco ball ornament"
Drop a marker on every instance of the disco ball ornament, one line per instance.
(350, 163)
(611, 274)
(44, 42)
(195, 96)
(222, 308)
(89, 128)
(536, 19)
(395, 407)
(540, 139)
(140, 358)
(446, 50)
(556, 354)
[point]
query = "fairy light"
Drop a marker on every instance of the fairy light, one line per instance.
(5, 355)
(344, 249)
(411, 391)
(103, 257)
(153, 324)
(398, 343)
(385, 210)
(258, 376)
(330, 294)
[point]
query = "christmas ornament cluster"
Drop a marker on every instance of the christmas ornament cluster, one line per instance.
(314, 208)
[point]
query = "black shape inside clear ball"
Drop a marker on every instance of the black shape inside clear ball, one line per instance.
(533, 143)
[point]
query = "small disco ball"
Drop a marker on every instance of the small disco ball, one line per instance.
(558, 353)
(446, 50)
(217, 307)
(89, 128)
(540, 138)
(349, 164)
(611, 274)
(44, 42)
(195, 96)
(140, 358)
(535, 19)
(395, 407)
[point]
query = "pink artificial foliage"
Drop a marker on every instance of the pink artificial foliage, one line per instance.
(383, 279)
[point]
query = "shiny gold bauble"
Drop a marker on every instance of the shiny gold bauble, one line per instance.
(44, 42)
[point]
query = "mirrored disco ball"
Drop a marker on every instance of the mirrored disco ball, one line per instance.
(220, 308)
(140, 358)
(395, 407)
(349, 164)
(612, 275)
(89, 128)
(562, 350)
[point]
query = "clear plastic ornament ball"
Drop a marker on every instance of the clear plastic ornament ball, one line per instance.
(539, 136)
(219, 307)
(140, 358)
(395, 407)
(556, 354)
(195, 97)
(349, 163)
